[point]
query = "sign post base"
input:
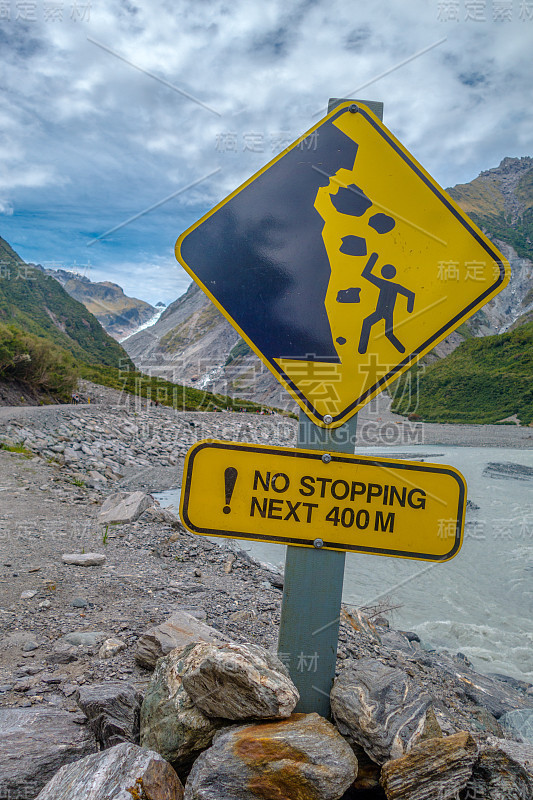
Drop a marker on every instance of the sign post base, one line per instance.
(310, 619)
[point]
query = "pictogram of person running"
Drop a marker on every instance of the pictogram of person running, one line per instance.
(388, 295)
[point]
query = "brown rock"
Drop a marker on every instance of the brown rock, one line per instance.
(368, 772)
(503, 771)
(356, 620)
(301, 758)
(438, 769)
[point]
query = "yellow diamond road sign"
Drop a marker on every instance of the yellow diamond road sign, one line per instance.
(356, 504)
(341, 263)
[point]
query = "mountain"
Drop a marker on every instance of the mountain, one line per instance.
(47, 339)
(500, 201)
(37, 304)
(194, 344)
(119, 314)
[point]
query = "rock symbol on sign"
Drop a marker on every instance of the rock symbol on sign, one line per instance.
(353, 201)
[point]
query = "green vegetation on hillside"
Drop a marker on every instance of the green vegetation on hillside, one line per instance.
(38, 304)
(483, 381)
(158, 390)
(238, 351)
(486, 204)
(37, 362)
(519, 234)
(48, 339)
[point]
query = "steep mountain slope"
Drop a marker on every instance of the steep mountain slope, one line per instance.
(119, 314)
(38, 304)
(194, 344)
(500, 200)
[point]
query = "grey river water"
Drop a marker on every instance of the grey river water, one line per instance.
(481, 602)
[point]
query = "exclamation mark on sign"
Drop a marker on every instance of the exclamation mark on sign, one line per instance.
(230, 477)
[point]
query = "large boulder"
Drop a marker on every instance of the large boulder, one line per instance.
(503, 771)
(113, 710)
(179, 630)
(121, 773)
(238, 682)
(34, 744)
(379, 708)
(437, 769)
(494, 695)
(170, 722)
(301, 758)
(123, 507)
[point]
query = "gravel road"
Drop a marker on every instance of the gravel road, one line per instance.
(377, 425)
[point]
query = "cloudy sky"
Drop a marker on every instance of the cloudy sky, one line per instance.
(149, 113)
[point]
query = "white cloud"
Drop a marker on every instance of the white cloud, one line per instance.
(19, 176)
(89, 140)
(6, 208)
(159, 278)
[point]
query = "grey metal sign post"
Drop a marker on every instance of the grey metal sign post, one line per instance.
(312, 594)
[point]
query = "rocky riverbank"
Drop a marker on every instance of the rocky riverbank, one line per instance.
(70, 626)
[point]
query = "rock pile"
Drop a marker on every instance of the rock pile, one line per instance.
(105, 446)
(218, 722)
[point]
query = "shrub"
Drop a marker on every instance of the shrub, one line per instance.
(36, 361)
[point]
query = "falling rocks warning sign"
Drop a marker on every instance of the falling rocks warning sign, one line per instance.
(341, 263)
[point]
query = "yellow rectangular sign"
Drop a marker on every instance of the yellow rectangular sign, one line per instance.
(336, 501)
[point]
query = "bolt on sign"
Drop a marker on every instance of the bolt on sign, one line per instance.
(336, 502)
(341, 263)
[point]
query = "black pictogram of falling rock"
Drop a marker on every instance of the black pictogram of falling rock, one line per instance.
(353, 246)
(230, 478)
(350, 295)
(381, 223)
(351, 200)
